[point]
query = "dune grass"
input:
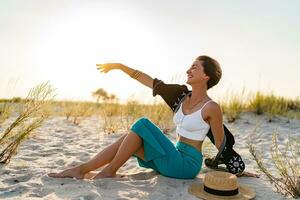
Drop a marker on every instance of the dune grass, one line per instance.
(76, 111)
(111, 115)
(115, 116)
(286, 162)
(270, 104)
(26, 122)
(259, 103)
(5, 111)
(233, 104)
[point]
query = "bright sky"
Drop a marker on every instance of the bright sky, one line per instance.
(256, 42)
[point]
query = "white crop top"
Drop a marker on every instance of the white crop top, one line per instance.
(191, 126)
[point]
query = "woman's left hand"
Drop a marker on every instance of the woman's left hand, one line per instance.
(106, 67)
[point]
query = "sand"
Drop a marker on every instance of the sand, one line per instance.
(59, 144)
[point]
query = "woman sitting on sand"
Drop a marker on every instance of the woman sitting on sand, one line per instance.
(195, 115)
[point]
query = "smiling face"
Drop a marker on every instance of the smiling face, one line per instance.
(204, 71)
(196, 74)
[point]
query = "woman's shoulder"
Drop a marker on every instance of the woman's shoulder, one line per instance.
(211, 109)
(211, 105)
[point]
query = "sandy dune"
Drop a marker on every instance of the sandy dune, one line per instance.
(59, 143)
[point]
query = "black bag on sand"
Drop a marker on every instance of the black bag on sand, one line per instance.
(173, 95)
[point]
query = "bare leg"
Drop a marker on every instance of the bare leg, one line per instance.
(131, 144)
(102, 158)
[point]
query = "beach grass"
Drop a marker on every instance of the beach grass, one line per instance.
(285, 161)
(6, 110)
(270, 104)
(76, 111)
(233, 104)
(259, 103)
(120, 116)
(27, 120)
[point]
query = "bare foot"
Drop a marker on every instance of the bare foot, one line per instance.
(103, 174)
(90, 175)
(74, 172)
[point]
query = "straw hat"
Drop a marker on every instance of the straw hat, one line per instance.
(221, 185)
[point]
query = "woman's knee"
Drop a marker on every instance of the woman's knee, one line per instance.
(141, 122)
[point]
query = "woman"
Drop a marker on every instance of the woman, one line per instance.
(195, 115)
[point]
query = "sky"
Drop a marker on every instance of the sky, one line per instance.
(256, 42)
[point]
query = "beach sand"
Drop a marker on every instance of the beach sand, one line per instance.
(59, 144)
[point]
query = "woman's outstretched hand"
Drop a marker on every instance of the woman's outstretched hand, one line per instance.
(106, 67)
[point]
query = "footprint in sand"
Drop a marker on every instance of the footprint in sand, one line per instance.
(59, 144)
(17, 179)
(13, 191)
(60, 162)
(142, 175)
(89, 197)
(72, 153)
(29, 158)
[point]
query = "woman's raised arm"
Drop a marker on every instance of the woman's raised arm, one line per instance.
(143, 78)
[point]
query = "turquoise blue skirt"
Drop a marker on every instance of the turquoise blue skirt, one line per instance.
(160, 154)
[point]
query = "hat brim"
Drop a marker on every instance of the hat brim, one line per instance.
(245, 192)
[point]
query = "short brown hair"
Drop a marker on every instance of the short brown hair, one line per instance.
(212, 69)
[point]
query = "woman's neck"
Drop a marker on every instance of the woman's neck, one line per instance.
(198, 92)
